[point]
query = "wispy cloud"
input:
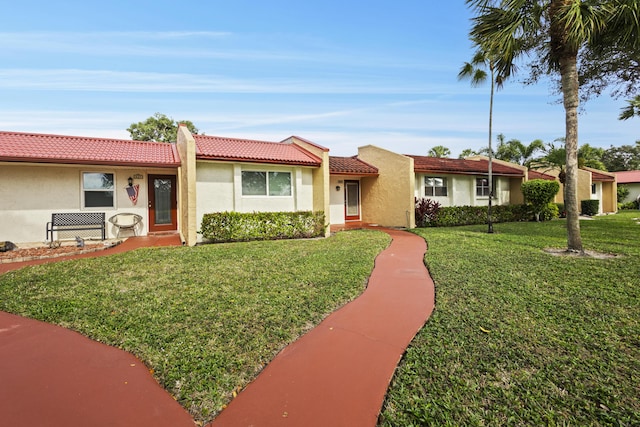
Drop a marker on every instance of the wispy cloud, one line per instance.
(116, 81)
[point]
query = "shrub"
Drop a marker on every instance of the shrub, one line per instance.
(590, 207)
(426, 211)
(539, 192)
(473, 215)
(561, 212)
(628, 205)
(623, 192)
(236, 226)
(549, 212)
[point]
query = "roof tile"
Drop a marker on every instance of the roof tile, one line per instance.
(44, 148)
(425, 164)
(627, 177)
(350, 166)
(246, 150)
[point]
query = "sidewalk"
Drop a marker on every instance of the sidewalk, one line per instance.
(335, 375)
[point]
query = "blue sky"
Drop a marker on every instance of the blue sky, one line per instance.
(340, 73)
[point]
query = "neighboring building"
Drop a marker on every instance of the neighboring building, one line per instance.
(631, 180)
(603, 187)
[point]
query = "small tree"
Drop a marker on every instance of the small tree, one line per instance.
(159, 128)
(539, 192)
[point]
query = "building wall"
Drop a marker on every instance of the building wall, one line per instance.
(388, 200)
(461, 190)
(30, 193)
(320, 179)
(634, 192)
(187, 186)
(219, 189)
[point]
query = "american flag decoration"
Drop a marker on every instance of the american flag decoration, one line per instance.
(132, 191)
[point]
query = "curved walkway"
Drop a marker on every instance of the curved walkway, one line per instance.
(335, 375)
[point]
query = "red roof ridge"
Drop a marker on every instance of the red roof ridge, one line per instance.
(308, 142)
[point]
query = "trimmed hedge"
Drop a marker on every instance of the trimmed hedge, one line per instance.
(451, 216)
(590, 207)
(242, 227)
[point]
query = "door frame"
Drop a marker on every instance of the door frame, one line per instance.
(348, 217)
(173, 226)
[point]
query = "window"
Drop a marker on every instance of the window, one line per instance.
(482, 187)
(266, 183)
(98, 189)
(435, 186)
(593, 189)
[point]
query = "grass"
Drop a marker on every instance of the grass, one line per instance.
(520, 337)
(205, 319)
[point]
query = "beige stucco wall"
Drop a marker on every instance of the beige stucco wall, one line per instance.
(30, 193)
(388, 200)
(320, 178)
(187, 202)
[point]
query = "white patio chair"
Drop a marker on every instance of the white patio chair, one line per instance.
(126, 221)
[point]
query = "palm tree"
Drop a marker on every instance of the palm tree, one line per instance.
(439, 151)
(515, 151)
(631, 110)
(555, 32)
(475, 71)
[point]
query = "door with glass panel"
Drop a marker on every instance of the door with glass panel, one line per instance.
(163, 203)
(352, 200)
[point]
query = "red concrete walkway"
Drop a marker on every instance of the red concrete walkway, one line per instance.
(335, 375)
(339, 372)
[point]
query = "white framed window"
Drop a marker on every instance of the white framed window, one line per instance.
(98, 190)
(482, 187)
(435, 186)
(594, 189)
(263, 183)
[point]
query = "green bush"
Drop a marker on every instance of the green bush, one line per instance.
(590, 207)
(628, 206)
(551, 211)
(240, 227)
(451, 216)
(539, 192)
(623, 192)
(561, 212)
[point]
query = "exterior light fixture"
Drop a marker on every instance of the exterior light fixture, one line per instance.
(337, 188)
(130, 181)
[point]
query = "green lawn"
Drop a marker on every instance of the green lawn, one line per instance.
(521, 337)
(205, 319)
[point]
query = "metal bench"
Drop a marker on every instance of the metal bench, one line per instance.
(76, 221)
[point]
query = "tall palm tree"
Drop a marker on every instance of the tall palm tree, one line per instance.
(439, 151)
(555, 32)
(476, 72)
(631, 110)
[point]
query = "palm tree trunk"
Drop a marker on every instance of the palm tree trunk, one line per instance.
(569, 77)
(489, 219)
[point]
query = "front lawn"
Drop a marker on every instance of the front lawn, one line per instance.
(205, 319)
(521, 337)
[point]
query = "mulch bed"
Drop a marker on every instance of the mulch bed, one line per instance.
(40, 252)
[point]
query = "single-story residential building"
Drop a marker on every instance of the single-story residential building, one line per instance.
(45, 174)
(169, 187)
(631, 180)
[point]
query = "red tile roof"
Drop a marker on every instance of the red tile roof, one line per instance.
(350, 166)
(600, 176)
(246, 150)
(533, 174)
(424, 164)
(43, 148)
(627, 177)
